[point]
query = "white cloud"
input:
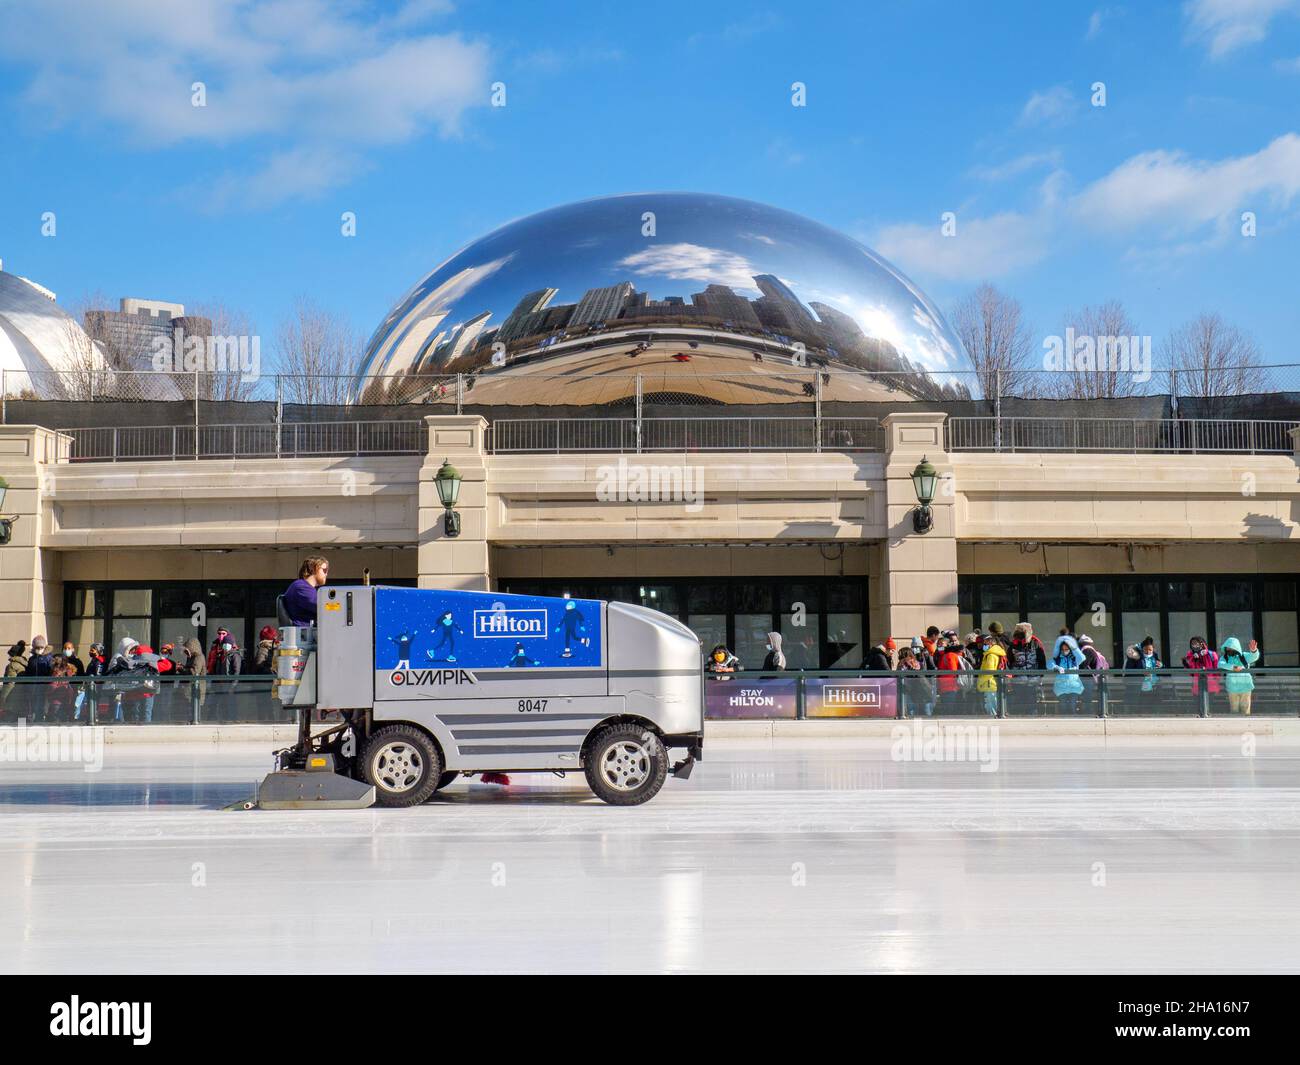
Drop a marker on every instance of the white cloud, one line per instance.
(1179, 205)
(1017, 166)
(738, 32)
(694, 262)
(1097, 19)
(1223, 26)
(981, 247)
(1180, 193)
(324, 78)
(1050, 106)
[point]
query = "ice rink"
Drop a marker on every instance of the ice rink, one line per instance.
(826, 855)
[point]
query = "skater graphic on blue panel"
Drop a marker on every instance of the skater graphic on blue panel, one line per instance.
(403, 642)
(446, 630)
(574, 625)
(520, 659)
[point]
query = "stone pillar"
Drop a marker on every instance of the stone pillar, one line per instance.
(918, 571)
(461, 562)
(31, 585)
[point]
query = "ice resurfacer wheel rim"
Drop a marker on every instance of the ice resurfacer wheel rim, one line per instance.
(403, 764)
(626, 765)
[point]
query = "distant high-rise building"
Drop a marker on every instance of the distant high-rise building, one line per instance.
(530, 305)
(601, 304)
(128, 336)
(773, 288)
(719, 301)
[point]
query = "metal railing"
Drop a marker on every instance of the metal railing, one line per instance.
(899, 694)
(634, 435)
(759, 694)
(144, 443)
(1134, 435)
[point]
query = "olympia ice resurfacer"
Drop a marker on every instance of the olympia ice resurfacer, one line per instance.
(433, 684)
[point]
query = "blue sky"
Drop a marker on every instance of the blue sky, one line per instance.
(317, 107)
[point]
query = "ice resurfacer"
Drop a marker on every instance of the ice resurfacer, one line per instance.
(433, 684)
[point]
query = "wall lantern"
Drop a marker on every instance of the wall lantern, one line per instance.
(923, 481)
(448, 482)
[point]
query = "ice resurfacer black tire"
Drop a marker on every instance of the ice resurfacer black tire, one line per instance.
(402, 763)
(626, 765)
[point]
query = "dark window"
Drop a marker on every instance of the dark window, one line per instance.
(1186, 595)
(810, 595)
(1000, 598)
(1045, 596)
(752, 597)
(1279, 595)
(707, 598)
(1139, 595)
(844, 594)
(1233, 595)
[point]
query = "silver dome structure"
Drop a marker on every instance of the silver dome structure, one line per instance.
(709, 299)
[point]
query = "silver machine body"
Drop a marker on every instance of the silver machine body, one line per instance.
(503, 682)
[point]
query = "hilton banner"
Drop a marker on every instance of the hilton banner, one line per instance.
(766, 699)
(854, 697)
(751, 699)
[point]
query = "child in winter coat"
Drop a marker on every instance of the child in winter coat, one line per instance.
(994, 659)
(1235, 664)
(1205, 660)
(1067, 659)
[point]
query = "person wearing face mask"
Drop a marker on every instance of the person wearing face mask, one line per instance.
(722, 662)
(70, 657)
(775, 656)
(994, 659)
(1204, 659)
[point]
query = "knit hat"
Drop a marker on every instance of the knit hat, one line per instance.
(1085, 640)
(995, 628)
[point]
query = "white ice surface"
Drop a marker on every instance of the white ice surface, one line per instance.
(905, 867)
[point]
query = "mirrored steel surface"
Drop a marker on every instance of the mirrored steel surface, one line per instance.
(694, 287)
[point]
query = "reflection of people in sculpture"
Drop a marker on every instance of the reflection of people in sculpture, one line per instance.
(403, 642)
(446, 630)
(574, 625)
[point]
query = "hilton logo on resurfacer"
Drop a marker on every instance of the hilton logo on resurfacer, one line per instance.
(510, 624)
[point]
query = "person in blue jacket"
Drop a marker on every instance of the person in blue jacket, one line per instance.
(574, 625)
(1236, 664)
(446, 630)
(1067, 659)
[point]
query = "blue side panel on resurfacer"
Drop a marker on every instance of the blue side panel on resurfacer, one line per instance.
(425, 628)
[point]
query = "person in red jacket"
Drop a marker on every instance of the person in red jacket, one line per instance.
(952, 696)
(1205, 660)
(214, 652)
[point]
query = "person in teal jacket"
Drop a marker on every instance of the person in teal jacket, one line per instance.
(1236, 664)
(1067, 685)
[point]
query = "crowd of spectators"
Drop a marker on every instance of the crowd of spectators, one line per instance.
(993, 673)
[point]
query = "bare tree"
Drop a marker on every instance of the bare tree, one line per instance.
(991, 326)
(117, 346)
(317, 353)
(234, 373)
(1213, 358)
(85, 365)
(1102, 356)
